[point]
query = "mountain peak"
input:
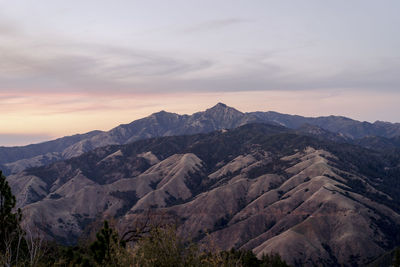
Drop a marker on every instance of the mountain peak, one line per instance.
(219, 104)
(223, 116)
(222, 107)
(163, 113)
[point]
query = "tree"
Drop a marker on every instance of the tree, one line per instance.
(107, 250)
(247, 258)
(273, 260)
(162, 247)
(396, 260)
(11, 233)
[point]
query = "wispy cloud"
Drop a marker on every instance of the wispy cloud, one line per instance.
(29, 63)
(214, 25)
(90, 67)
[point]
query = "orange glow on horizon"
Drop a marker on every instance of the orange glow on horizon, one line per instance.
(65, 114)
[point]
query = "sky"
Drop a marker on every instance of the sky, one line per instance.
(74, 66)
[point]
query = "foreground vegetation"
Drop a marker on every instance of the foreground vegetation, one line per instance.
(147, 245)
(161, 246)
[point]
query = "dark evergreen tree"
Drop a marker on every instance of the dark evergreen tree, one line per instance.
(10, 219)
(247, 258)
(103, 248)
(272, 260)
(396, 260)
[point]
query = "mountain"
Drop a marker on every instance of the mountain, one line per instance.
(316, 131)
(15, 159)
(337, 124)
(165, 124)
(379, 143)
(261, 187)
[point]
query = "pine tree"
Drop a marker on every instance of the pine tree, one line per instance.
(103, 248)
(10, 229)
(396, 260)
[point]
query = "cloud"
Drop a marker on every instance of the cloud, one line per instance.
(94, 68)
(50, 64)
(7, 29)
(32, 63)
(214, 25)
(260, 76)
(88, 67)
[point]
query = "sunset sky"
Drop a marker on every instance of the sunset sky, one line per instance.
(73, 66)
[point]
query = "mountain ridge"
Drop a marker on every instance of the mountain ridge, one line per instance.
(218, 117)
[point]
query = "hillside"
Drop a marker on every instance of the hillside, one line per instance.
(260, 187)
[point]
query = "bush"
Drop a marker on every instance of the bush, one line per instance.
(162, 247)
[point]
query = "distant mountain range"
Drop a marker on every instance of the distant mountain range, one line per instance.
(314, 200)
(16, 159)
